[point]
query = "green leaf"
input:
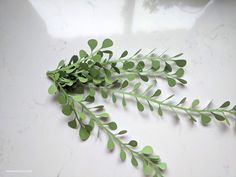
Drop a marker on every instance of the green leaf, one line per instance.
(61, 98)
(155, 158)
(52, 89)
(124, 84)
(218, 117)
(84, 66)
(105, 115)
(124, 54)
(83, 54)
(122, 132)
(68, 71)
(205, 119)
(162, 166)
(140, 106)
(182, 81)
(144, 78)
(178, 55)
(140, 66)
(180, 63)
(92, 44)
(195, 103)
(84, 134)
(122, 155)
(82, 115)
(92, 91)
(104, 93)
(90, 99)
(171, 82)
(136, 53)
(131, 77)
(147, 150)
(136, 86)
(109, 52)
(128, 65)
(182, 101)
(97, 58)
(74, 59)
(113, 98)
(61, 64)
(78, 98)
(107, 43)
(169, 97)
(94, 72)
(67, 109)
(155, 64)
(234, 108)
(116, 69)
(133, 143)
(167, 68)
(147, 169)
(160, 111)
(179, 72)
(110, 144)
(150, 106)
(157, 93)
(56, 76)
(72, 124)
(82, 79)
(134, 161)
(99, 107)
(123, 101)
(107, 72)
(112, 125)
(225, 104)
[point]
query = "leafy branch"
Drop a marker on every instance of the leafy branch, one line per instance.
(76, 83)
(205, 114)
(152, 164)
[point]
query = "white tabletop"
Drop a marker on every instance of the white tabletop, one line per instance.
(34, 35)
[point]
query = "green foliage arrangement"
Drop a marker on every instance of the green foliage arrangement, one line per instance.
(76, 83)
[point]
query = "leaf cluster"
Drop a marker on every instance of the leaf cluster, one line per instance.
(76, 82)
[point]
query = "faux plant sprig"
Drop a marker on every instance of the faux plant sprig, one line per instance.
(77, 83)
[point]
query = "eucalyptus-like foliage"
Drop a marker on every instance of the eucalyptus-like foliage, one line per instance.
(76, 83)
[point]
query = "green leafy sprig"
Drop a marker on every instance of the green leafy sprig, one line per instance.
(76, 84)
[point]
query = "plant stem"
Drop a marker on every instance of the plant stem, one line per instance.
(117, 140)
(147, 73)
(134, 58)
(162, 103)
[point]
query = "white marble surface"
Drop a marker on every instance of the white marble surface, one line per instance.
(35, 34)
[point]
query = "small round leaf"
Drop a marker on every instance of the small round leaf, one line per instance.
(162, 166)
(92, 44)
(112, 125)
(195, 103)
(67, 109)
(171, 82)
(147, 150)
(110, 145)
(180, 63)
(134, 161)
(140, 106)
(122, 155)
(84, 134)
(72, 124)
(107, 43)
(52, 89)
(133, 143)
(225, 104)
(205, 119)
